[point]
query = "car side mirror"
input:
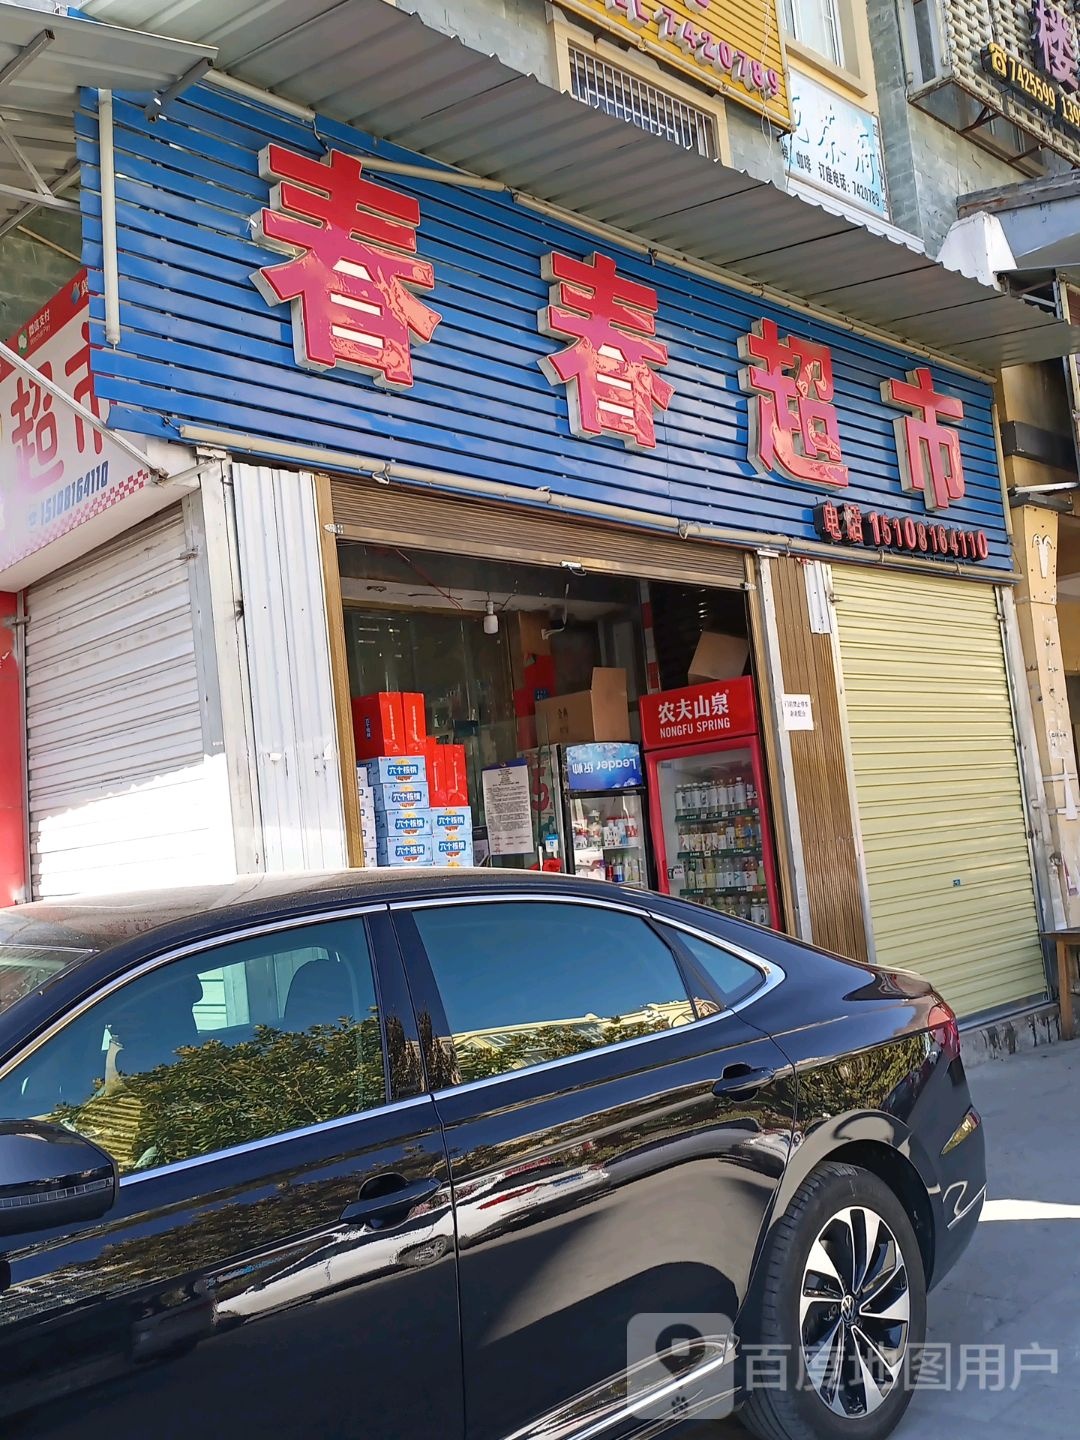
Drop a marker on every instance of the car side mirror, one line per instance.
(51, 1176)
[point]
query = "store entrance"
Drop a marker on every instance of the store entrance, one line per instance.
(526, 683)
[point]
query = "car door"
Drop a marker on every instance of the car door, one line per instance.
(281, 1248)
(615, 1140)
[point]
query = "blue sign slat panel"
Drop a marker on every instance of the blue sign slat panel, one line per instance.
(200, 344)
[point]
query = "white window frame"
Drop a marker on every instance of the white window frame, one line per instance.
(831, 10)
(910, 39)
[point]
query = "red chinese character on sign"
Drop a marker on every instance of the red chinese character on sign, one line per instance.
(928, 451)
(37, 463)
(1055, 44)
(853, 525)
(354, 265)
(83, 391)
(610, 371)
(793, 424)
(829, 521)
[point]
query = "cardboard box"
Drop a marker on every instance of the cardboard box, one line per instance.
(392, 824)
(448, 775)
(525, 629)
(390, 769)
(718, 657)
(378, 725)
(531, 639)
(599, 713)
(404, 795)
(404, 852)
(414, 716)
(454, 850)
(452, 820)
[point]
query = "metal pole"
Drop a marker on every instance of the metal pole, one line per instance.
(109, 267)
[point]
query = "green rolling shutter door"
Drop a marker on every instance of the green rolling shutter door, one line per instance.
(938, 785)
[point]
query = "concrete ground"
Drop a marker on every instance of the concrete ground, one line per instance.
(1018, 1284)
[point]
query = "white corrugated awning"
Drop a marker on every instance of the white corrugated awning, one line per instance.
(369, 64)
(45, 59)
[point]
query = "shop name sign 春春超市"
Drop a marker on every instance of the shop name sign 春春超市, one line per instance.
(1052, 83)
(731, 47)
(354, 279)
(415, 324)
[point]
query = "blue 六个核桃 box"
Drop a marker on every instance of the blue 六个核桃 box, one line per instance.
(388, 769)
(453, 850)
(401, 851)
(401, 795)
(394, 823)
(455, 820)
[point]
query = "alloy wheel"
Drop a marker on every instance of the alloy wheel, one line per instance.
(854, 1312)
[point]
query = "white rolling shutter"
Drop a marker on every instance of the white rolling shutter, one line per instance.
(124, 793)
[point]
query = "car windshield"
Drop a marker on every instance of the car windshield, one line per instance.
(24, 967)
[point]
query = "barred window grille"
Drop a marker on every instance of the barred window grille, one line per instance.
(621, 93)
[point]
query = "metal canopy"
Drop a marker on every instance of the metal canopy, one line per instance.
(369, 64)
(1040, 219)
(44, 60)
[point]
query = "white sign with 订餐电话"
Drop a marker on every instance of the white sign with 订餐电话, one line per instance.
(57, 472)
(835, 146)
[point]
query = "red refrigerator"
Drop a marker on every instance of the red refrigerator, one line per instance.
(707, 797)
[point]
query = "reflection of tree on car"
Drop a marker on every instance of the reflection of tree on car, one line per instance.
(214, 1096)
(484, 1053)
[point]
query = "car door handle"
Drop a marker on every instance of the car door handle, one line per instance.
(392, 1204)
(741, 1082)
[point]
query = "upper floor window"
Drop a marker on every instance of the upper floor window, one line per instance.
(816, 24)
(926, 46)
(621, 93)
(238, 1043)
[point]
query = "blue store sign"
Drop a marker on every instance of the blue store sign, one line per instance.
(275, 288)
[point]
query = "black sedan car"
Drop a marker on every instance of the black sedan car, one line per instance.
(463, 1154)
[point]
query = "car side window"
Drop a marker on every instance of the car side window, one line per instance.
(734, 978)
(238, 1043)
(523, 982)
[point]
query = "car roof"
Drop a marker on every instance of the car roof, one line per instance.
(101, 922)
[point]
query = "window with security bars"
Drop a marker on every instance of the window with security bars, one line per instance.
(619, 92)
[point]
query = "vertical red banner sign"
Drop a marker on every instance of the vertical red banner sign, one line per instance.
(12, 820)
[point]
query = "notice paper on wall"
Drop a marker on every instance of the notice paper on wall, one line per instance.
(798, 712)
(507, 808)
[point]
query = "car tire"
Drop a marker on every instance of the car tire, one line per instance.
(838, 1214)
